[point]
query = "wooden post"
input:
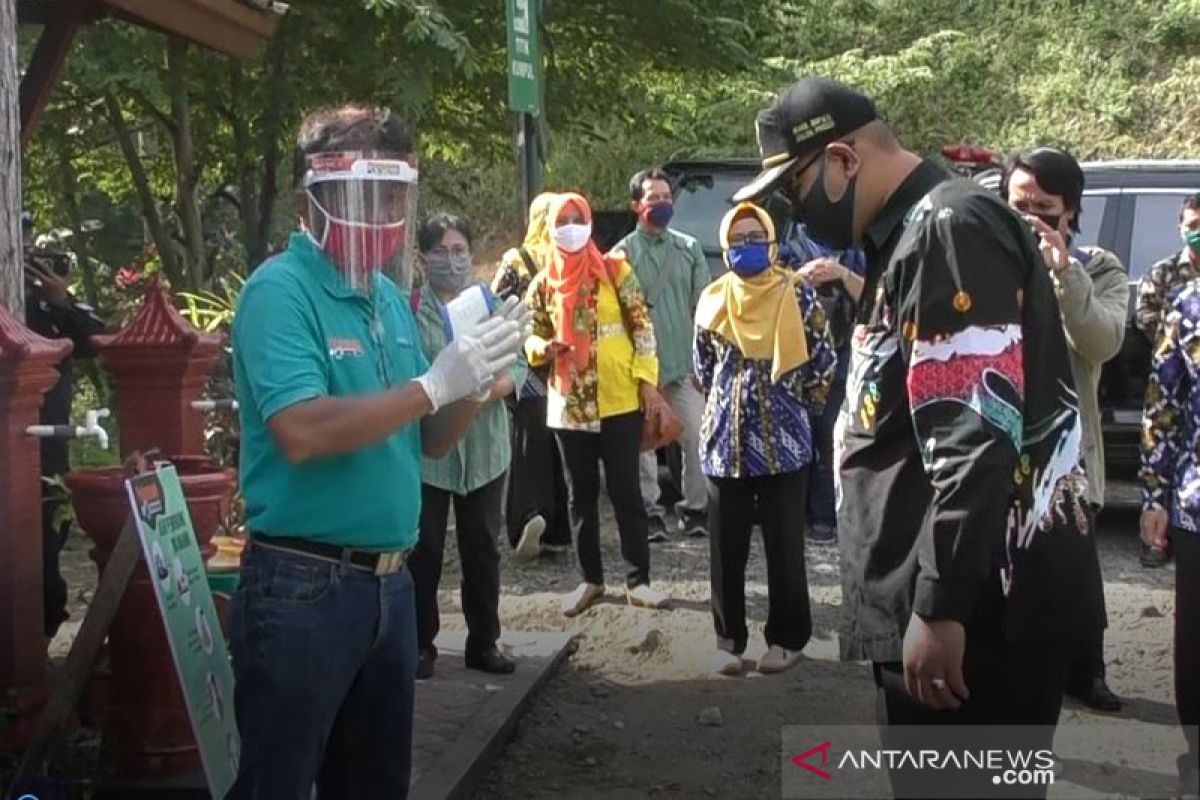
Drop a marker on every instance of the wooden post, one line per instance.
(72, 678)
(47, 61)
(12, 273)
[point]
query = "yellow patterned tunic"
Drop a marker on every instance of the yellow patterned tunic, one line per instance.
(623, 351)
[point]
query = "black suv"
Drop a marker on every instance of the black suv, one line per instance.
(1129, 207)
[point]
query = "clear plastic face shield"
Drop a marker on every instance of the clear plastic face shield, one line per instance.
(361, 213)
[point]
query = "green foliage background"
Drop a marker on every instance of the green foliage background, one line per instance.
(629, 83)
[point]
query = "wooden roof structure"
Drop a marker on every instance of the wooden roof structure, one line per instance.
(237, 28)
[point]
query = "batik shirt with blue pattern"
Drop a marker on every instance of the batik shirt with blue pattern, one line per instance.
(752, 426)
(1171, 421)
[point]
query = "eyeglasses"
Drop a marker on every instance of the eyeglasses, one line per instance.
(753, 237)
(796, 173)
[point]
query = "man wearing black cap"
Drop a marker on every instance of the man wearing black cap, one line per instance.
(965, 560)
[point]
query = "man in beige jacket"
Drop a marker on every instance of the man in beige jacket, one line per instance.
(1045, 185)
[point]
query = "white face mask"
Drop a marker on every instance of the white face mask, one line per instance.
(572, 238)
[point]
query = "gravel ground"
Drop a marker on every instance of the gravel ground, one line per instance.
(632, 712)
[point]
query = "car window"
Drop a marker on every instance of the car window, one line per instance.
(700, 203)
(1091, 214)
(1155, 229)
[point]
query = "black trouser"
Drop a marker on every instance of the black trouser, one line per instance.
(477, 525)
(54, 587)
(1187, 639)
(618, 445)
(1011, 683)
(781, 501)
(535, 481)
(1087, 665)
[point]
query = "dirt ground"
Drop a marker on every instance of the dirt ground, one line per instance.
(636, 713)
(631, 714)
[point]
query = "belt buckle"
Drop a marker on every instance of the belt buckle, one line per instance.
(389, 563)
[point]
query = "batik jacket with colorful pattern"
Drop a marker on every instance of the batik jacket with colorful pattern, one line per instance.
(752, 426)
(1171, 422)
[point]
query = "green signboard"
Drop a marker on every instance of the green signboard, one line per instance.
(524, 56)
(193, 631)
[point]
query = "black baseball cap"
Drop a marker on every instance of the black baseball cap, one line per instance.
(809, 114)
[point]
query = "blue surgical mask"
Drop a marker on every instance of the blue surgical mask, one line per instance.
(659, 214)
(748, 259)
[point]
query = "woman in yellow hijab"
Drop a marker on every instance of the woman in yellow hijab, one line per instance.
(537, 491)
(764, 358)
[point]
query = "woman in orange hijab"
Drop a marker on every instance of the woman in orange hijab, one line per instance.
(592, 325)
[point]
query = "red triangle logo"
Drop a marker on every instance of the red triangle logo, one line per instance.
(802, 760)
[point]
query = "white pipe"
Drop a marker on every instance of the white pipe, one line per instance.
(215, 405)
(90, 427)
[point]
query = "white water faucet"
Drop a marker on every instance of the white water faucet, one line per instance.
(90, 427)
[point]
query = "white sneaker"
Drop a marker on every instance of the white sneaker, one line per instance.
(777, 659)
(727, 663)
(643, 596)
(530, 545)
(583, 598)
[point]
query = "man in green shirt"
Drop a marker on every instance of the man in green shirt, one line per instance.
(672, 270)
(338, 403)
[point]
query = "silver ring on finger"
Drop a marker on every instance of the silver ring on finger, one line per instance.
(938, 683)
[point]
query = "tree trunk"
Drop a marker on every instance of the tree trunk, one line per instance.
(272, 122)
(137, 172)
(252, 245)
(69, 188)
(187, 172)
(12, 270)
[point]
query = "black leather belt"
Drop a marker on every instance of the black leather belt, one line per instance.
(375, 562)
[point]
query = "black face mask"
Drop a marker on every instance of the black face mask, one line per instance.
(1050, 219)
(830, 223)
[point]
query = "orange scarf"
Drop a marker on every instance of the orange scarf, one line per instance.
(573, 277)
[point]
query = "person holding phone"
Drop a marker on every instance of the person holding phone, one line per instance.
(1045, 185)
(591, 324)
(51, 311)
(837, 278)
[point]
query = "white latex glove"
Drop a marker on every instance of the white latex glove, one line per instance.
(512, 310)
(471, 361)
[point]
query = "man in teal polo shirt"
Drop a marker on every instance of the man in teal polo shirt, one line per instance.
(671, 268)
(338, 404)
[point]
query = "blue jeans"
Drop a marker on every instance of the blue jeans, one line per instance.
(325, 659)
(822, 504)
